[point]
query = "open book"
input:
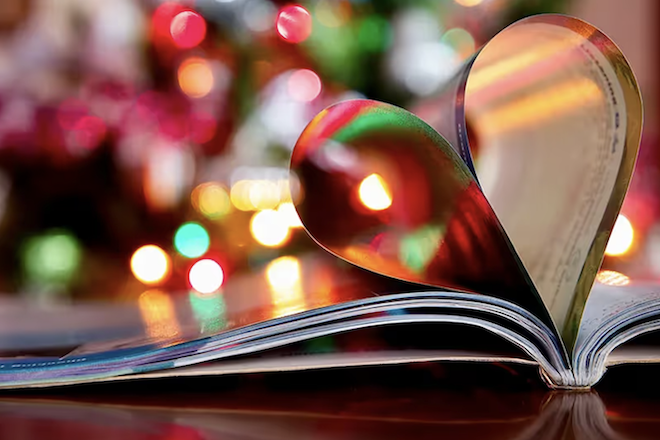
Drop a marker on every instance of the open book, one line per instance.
(424, 254)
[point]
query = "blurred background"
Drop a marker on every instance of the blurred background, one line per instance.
(144, 145)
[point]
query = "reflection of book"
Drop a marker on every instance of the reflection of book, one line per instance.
(417, 241)
(559, 415)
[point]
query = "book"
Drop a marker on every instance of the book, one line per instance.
(471, 231)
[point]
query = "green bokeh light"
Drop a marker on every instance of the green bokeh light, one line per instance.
(374, 34)
(52, 258)
(191, 240)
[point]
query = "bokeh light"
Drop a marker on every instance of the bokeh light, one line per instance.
(150, 264)
(374, 34)
(206, 276)
(263, 194)
(374, 193)
(87, 133)
(240, 195)
(294, 23)
(195, 77)
(622, 237)
(283, 273)
(191, 240)
(469, 3)
(290, 215)
(259, 194)
(70, 111)
(304, 85)
(285, 281)
(211, 200)
(460, 40)
(269, 228)
(188, 29)
(52, 258)
(612, 278)
(333, 13)
(259, 15)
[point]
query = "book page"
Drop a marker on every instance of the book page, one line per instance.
(608, 305)
(620, 324)
(549, 120)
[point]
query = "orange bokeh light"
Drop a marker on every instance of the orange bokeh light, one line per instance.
(195, 77)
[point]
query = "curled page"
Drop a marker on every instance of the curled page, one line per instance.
(552, 114)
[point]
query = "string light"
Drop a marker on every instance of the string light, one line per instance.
(294, 23)
(150, 264)
(374, 193)
(622, 237)
(206, 276)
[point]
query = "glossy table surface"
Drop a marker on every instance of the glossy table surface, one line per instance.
(456, 401)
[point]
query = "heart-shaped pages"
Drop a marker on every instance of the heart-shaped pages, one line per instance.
(386, 192)
(555, 112)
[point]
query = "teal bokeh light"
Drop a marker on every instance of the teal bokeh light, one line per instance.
(191, 240)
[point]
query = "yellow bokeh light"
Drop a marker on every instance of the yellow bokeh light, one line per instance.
(469, 3)
(195, 77)
(240, 195)
(333, 13)
(285, 282)
(260, 194)
(622, 237)
(264, 194)
(211, 200)
(150, 264)
(269, 228)
(158, 314)
(283, 273)
(612, 278)
(290, 215)
(374, 193)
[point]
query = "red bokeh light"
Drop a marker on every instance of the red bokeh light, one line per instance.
(70, 112)
(294, 23)
(88, 132)
(304, 85)
(187, 29)
(202, 127)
